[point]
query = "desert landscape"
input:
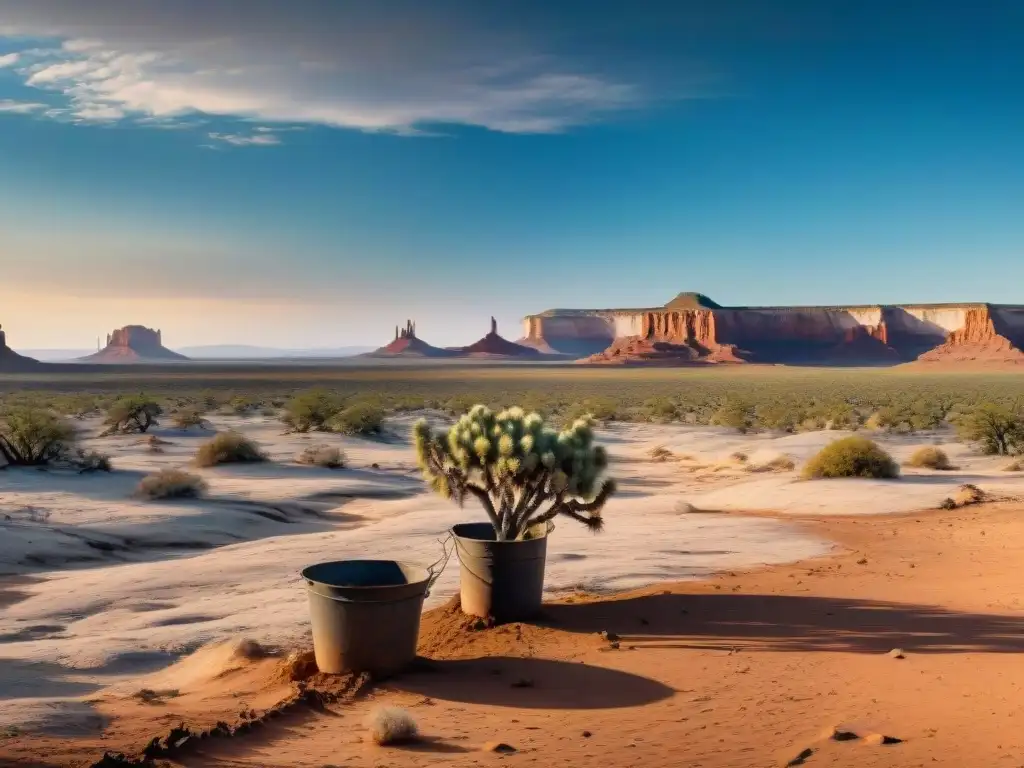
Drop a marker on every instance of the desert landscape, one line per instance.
(153, 611)
(538, 384)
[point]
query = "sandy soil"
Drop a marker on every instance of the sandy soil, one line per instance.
(112, 633)
(744, 669)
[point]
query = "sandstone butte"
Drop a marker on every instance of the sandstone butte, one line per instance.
(407, 344)
(134, 344)
(11, 361)
(694, 329)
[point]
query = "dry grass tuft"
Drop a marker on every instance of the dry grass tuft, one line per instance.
(968, 494)
(228, 448)
(391, 725)
(326, 456)
(930, 457)
(171, 484)
(780, 463)
(1014, 466)
(660, 454)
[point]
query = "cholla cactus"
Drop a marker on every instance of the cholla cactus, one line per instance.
(513, 464)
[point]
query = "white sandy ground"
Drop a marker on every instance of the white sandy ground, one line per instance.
(115, 587)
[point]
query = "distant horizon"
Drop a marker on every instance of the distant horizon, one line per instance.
(371, 344)
(308, 174)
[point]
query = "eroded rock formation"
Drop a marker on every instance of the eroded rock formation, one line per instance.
(693, 329)
(407, 344)
(493, 345)
(988, 335)
(11, 361)
(134, 344)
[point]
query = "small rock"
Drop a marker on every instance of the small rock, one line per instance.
(862, 561)
(587, 734)
(499, 747)
(609, 636)
(896, 653)
(800, 758)
(877, 740)
(375, 465)
(838, 734)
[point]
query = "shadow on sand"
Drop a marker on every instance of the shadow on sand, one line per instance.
(789, 623)
(530, 683)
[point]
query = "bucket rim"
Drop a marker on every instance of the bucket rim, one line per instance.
(424, 570)
(490, 528)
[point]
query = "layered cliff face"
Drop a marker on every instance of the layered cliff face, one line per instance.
(134, 344)
(987, 336)
(687, 330)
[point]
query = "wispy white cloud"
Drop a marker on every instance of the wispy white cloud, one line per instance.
(241, 140)
(9, 60)
(307, 63)
(7, 106)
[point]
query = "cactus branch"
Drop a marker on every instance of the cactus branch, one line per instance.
(513, 464)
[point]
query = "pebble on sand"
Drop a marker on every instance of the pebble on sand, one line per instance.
(499, 747)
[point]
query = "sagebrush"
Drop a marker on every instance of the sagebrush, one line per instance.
(171, 484)
(229, 448)
(853, 456)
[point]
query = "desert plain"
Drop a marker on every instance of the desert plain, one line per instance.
(730, 614)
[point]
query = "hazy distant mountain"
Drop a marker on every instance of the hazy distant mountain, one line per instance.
(211, 352)
(246, 352)
(56, 355)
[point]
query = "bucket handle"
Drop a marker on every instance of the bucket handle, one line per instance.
(437, 568)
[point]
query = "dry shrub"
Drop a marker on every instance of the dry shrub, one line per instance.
(187, 418)
(87, 462)
(155, 444)
(229, 448)
(391, 725)
(1013, 466)
(326, 456)
(739, 457)
(853, 456)
(876, 422)
(359, 419)
(33, 437)
(660, 454)
(134, 413)
(171, 484)
(968, 494)
(780, 463)
(930, 457)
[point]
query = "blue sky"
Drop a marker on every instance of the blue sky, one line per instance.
(314, 172)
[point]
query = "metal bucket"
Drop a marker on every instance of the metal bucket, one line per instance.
(365, 614)
(499, 579)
